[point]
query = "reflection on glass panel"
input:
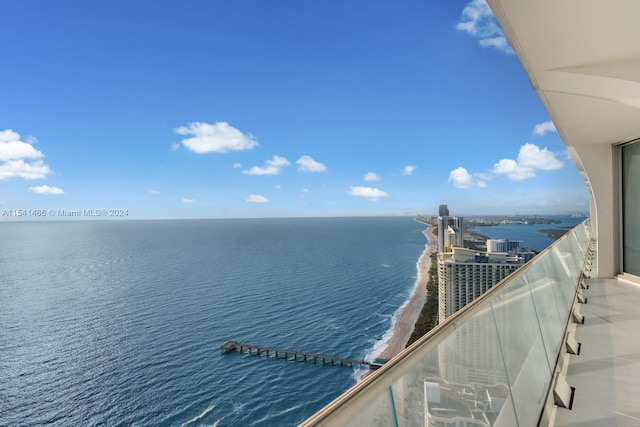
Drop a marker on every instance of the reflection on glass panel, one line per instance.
(549, 319)
(560, 271)
(472, 384)
(413, 411)
(523, 350)
(478, 405)
(582, 236)
(571, 249)
(631, 207)
(378, 413)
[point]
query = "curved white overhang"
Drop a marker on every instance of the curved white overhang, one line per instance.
(583, 59)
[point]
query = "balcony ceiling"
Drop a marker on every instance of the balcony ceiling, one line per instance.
(583, 59)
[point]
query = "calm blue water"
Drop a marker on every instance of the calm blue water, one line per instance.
(531, 234)
(120, 323)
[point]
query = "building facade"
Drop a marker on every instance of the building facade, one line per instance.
(464, 275)
(444, 234)
(503, 245)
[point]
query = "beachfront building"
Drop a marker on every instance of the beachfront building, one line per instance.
(503, 245)
(450, 237)
(464, 275)
(525, 253)
(443, 210)
(453, 222)
(511, 247)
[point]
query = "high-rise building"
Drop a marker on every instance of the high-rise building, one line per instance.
(455, 223)
(526, 254)
(443, 210)
(503, 245)
(511, 247)
(464, 275)
(450, 237)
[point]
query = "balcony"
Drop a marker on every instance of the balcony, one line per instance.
(528, 352)
(606, 373)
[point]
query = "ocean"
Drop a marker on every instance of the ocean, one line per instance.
(120, 322)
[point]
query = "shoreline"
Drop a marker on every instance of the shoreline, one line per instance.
(405, 319)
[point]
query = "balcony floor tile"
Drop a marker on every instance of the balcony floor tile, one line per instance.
(606, 374)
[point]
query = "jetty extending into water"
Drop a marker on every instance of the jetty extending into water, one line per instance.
(293, 355)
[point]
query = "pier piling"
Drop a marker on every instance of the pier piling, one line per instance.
(234, 346)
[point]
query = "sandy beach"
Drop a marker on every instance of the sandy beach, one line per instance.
(406, 320)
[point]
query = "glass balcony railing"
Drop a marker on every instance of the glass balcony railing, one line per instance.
(490, 364)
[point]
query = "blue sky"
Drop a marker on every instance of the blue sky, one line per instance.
(205, 109)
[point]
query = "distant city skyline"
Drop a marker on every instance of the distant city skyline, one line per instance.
(213, 110)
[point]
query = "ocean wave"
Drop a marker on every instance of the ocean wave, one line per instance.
(196, 418)
(358, 373)
(381, 344)
(287, 410)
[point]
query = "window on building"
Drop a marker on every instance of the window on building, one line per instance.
(631, 208)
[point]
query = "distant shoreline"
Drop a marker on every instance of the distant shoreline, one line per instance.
(406, 319)
(554, 233)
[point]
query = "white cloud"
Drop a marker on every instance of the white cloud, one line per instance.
(304, 192)
(371, 176)
(541, 129)
(307, 164)
(185, 200)
(175, 147)
(499, 43)
(461, 178)
(9, 135)
(237, 165)
(14, 152)
(273, 167)
(478, 20)
(215, 138)
(46, 190)
(531, 155)
(530, 159)
(256, 198)
(513, 170)
(408, 170)
(21, 169)
(152, 191)
(369, 193)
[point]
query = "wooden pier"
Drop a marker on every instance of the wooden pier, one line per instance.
(292, 355)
